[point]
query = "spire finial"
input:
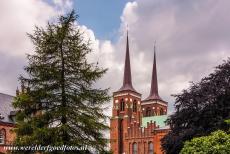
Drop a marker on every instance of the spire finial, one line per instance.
(17, 91)
(127, 30)
(127, 33)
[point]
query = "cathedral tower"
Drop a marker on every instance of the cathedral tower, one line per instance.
(153, 105)
(126, 108)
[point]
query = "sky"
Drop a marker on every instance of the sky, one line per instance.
(102, 16)
(192, 38)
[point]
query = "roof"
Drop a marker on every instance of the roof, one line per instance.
(6, 107)
(160, 120)
(127, 80)
(154, 95)
(162, 128)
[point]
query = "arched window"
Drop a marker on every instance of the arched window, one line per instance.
(122, 105)
(135, 148)
(150, 148)
(148, 112)
(161, 111)
(134, 106)
(2, 136)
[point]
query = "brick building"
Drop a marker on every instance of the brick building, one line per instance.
(7, 115)
(137, 125)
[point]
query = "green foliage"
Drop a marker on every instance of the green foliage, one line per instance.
(227, 121)
(200, 110)
(216, 143)
(60, 104)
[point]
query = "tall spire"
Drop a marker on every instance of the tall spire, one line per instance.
(127, 80)
(154, 85)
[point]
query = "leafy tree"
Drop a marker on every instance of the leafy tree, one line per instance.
(216, 143)
(200, 110)
(60, 105)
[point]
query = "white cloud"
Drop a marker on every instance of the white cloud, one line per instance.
(17, 19)
(63, 5)
(20, 17)
(189, 44)
(192, 37)
(129, 16)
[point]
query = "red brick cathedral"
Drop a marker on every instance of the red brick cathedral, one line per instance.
(137, 125)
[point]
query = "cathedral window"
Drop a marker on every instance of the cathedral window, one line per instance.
(134, 106)
(150, 148)
(148, 112)
(161, 111)
(134, 148)
(122, 105)
(2, 136)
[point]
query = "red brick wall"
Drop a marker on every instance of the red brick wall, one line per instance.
(132, 132)
(117, 139)
(155, 109)
(9, 135)
(143, 136)
(143, 143)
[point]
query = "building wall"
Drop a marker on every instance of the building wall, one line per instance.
(125, 127)
(155, 108)
(143, 144)
(121, 119)
(9, 135)
(143, 136)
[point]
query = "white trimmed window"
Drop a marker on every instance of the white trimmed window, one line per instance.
(2, 136)
(134, 106)
(150, 148)
(161, 111)
(148, 112)
(122, 105)
(135, 148)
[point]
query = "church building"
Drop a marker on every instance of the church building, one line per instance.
(137, 125)
(7, 121)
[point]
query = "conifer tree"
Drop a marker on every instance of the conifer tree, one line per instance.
(60, 105)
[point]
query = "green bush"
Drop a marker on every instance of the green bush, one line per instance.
(216, 143)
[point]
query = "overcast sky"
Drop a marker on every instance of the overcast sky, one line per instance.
(192, 36)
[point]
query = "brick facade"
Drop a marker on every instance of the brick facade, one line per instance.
(9, 135)
(126, 128)
(7, 116)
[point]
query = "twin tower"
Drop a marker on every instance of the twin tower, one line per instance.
(134, 120)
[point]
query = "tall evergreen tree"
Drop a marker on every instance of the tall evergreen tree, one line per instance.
(200, 110)
(60, 104)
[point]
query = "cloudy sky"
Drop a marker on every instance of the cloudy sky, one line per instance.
(192, 37)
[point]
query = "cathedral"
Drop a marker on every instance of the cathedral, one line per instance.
(137, 125)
